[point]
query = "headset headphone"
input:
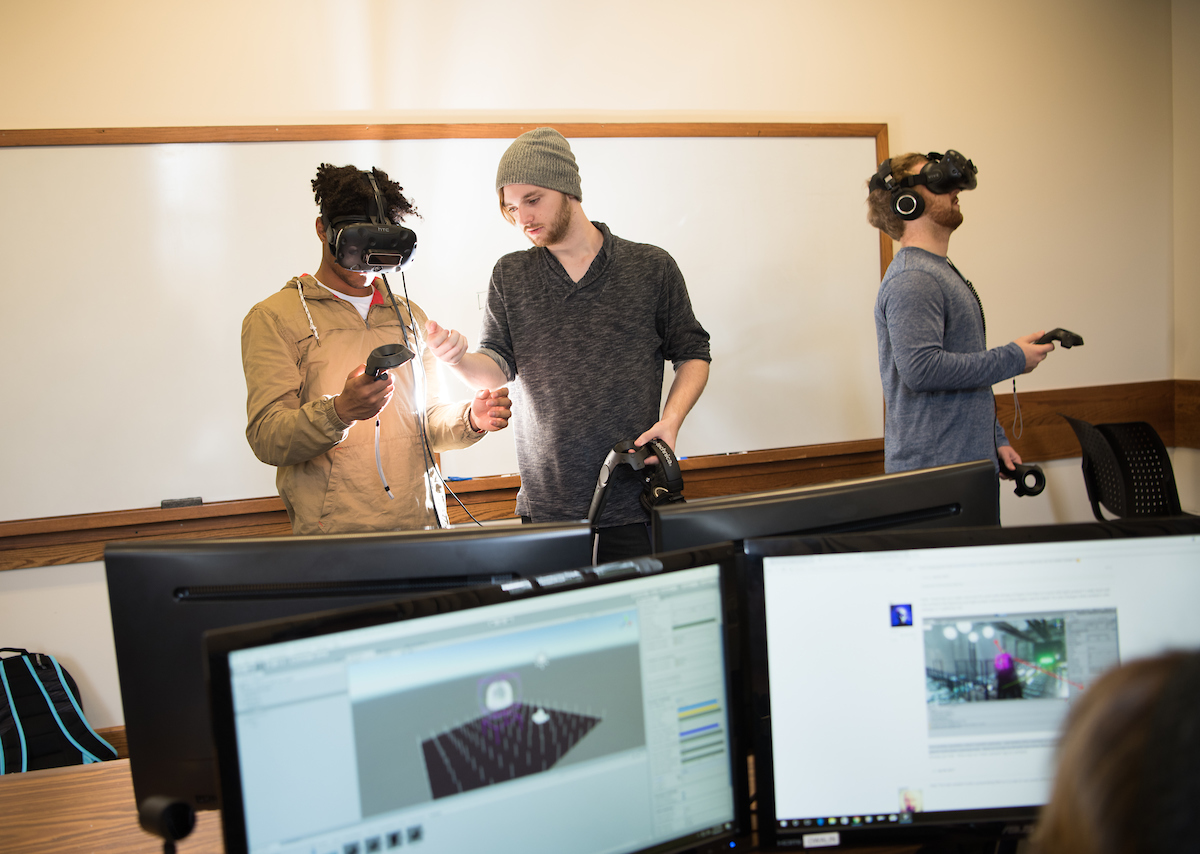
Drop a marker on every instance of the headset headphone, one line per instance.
(661, 484)
(377, 245)
(941, 174)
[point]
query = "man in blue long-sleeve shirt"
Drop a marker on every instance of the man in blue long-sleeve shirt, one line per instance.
(936, 368)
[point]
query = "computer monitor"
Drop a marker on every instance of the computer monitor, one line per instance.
(946, 496)
(581, 712)
(909, 687)
(164, 595)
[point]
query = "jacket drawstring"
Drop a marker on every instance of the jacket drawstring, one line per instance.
(304, 304)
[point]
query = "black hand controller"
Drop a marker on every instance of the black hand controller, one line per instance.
(386, 356)
(1022, 471)
(1068, 338)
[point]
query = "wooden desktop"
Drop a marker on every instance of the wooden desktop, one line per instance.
(90, 808)
(86, 808)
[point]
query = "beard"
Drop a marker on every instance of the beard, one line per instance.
(556, 230)
(947, 217)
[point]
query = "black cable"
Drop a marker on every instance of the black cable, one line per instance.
(430, 461)
(983, 318)
(1017, 413)
(975, 294)
(1016, 402)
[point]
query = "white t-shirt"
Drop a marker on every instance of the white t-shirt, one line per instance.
(363, 304)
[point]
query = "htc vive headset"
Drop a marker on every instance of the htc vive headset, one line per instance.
(943, 173)
(377, 246)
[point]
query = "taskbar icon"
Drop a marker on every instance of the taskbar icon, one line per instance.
(840, 821)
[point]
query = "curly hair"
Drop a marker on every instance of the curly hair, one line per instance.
(345, 191)
(879, 202)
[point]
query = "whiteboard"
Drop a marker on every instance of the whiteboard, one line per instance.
(130, 268)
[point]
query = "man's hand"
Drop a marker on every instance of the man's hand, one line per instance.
(1008, 459)
(363, 397)
(1034, 353)
(490, 410)
(448, 345)
(690, 378)
(662, 430)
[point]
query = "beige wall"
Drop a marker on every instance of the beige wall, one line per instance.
(1185, 75)
(1054, 101)
(1082, 115)
(1185, 91)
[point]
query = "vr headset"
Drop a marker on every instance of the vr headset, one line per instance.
(942, 174)
(377, 246)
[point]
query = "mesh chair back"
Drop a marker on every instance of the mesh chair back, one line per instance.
(1126, 468)
(1144, 460)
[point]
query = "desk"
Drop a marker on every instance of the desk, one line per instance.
(86, 808)
(90, 808)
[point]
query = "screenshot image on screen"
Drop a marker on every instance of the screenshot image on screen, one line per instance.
(590, 720)
(920, 686)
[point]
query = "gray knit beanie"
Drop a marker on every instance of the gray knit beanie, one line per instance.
(541, 157)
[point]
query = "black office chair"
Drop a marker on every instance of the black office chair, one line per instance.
(1126, 468)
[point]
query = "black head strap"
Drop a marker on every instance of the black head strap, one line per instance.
(376, 212)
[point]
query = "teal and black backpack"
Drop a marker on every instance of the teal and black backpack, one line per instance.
(41, 717)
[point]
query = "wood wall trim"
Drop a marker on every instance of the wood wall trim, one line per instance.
(1046, 436)
(1187, 414)
(115, 735)
(135, 518)
(479, 130)
(1172, 406)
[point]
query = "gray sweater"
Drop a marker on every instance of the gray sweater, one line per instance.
(936, 369)
(586, 365)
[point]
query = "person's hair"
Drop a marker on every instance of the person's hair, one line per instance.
(504, 208)
(879, 202)
(345, 191)
(1128, 775)
(512, 220)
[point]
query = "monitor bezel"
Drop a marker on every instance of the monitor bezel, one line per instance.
(219, 643)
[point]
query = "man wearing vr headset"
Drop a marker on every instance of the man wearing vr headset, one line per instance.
(936, 368)
(585, 319)
(312, 410)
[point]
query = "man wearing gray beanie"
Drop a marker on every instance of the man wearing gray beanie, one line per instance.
(580, 324)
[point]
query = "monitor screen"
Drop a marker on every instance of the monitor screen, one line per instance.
(912, 686)
(574, 712)
(164, 595)
(947, 496)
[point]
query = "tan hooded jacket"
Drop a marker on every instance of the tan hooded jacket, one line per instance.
(298, 347)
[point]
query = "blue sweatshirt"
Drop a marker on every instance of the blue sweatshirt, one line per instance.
(936, 369)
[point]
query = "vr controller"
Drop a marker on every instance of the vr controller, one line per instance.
(386, 356)
(1022, 472)
(1064, 336)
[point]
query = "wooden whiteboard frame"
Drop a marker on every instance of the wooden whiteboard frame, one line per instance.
(69, 539)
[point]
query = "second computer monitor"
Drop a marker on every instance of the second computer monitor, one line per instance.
(910, 686)
(964, 494)
(165, 595)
